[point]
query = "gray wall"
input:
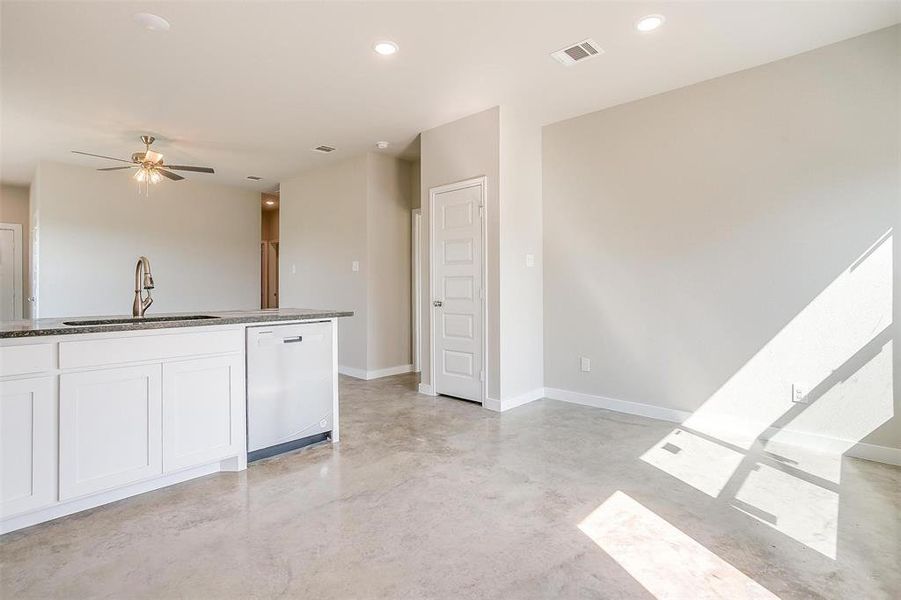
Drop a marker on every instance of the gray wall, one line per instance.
(388, 229)
(322, 216)
(203, 242)
(710, 246)
(354, 210)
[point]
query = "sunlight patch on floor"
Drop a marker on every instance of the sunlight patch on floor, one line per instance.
(667, 562)
(701, 463)
(801, 510)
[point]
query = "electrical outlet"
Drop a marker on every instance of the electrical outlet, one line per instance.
(355, 266)
(293, 269)
(799, 393)
(585, 364)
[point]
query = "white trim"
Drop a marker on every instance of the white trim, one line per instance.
(416, 266)
(375, 374)
(861, 450)
(426, 389)
(623, 406)
(17, 268)
(389, 371)
(514, 402)
(872, 452)
(79, 504)
(481, 181)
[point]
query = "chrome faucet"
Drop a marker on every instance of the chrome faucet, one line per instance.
(143, 280)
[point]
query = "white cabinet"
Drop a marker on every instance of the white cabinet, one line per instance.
(203, 411)
(110, 428)
(27, 445)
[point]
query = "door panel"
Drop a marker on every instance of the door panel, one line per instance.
(27, 445)
(110, 428)
(457, 248)
(202, 411)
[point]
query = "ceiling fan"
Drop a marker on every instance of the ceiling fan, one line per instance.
(149, 164)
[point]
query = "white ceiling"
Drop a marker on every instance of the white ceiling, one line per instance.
(248, 88)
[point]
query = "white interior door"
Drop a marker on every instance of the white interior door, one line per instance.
(10, 271)
(456, 282)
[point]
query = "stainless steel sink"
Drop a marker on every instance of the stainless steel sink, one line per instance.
(127, 321)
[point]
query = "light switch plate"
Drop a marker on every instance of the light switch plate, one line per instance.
(355, 266)
(585, 364)
(530, 260)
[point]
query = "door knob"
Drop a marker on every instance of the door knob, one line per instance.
(438, 303)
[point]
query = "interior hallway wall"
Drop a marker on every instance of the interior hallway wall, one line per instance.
(713, 245)
(521, 290)
(203, 241)
(14, 208)
(322, 215)
(353, 211)
(388, 253)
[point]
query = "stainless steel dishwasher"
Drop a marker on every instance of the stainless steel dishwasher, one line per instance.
(290, 387)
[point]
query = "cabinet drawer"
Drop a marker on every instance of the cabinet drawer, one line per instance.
(28, 358)
(93, 353)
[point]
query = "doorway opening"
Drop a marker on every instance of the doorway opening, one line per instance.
(269, 203)
(10, 272)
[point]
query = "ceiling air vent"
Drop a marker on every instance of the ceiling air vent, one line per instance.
(254, 178)
(578, 52)
(323, 149)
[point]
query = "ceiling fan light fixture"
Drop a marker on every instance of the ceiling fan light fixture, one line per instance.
(151, 22)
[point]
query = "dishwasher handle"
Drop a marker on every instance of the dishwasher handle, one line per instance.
(292, 340)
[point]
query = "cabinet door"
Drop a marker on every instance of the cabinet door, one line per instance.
(203, 411)
(27, 445)
(110, 429)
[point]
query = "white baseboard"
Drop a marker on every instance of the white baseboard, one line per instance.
(375, 374)
(352, 372)
(871, 452)
(880, 454)
(398, 370)
(624, 406)
(508, 403)
(425, 388)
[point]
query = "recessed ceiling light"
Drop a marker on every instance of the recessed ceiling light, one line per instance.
(385, 48)
(152, 22)
(649, 23)
(270, 202)
(381, 145)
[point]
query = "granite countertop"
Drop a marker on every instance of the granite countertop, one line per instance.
(38, 327)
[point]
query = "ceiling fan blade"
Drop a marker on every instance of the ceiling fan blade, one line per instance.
(117, 168)
(185, 168)
(101, 156)
(169, 174)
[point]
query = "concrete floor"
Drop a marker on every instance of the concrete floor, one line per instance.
(438, 498)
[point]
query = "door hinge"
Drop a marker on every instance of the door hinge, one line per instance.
(482, 375)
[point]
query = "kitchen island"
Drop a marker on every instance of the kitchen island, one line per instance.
(96, 409)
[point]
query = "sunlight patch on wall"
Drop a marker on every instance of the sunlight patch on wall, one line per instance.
(667, 562)
(841, 321)
(701, 463)
(801, 510)
(846, 412)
